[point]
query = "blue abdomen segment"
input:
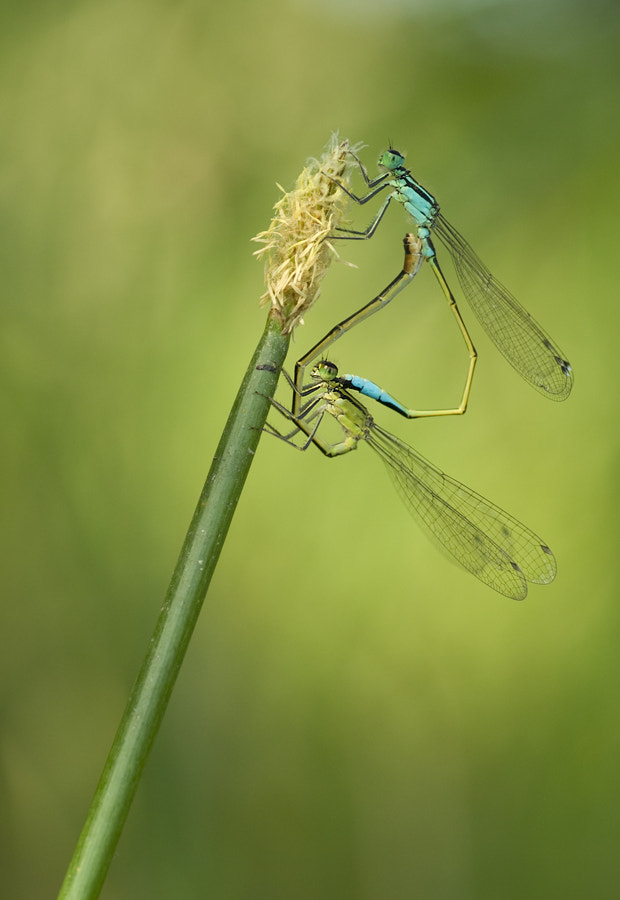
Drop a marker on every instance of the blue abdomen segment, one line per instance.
(370, 389)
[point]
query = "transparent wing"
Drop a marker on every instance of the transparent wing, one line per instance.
(526, 346)
(486, 540)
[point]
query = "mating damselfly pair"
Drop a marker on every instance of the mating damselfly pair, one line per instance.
(483, 538)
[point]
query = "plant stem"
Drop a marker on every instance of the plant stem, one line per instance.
(188, 587)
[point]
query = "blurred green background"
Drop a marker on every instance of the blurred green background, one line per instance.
(356, 718)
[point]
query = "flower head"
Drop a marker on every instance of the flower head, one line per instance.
(295, 246)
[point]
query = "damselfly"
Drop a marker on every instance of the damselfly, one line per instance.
(485, 540)
(526, 346)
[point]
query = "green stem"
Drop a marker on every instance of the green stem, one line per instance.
(175, 625)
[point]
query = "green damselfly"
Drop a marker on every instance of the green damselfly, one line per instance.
(522, 341)
(485, 540)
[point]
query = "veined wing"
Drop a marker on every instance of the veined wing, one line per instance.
(482, 537)
(526, 346)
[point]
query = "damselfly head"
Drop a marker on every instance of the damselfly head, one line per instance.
(325, 370)
(391, 159)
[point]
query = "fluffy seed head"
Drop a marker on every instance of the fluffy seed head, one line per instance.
(296, 251)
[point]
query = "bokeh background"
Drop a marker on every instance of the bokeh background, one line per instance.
(356, 718)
